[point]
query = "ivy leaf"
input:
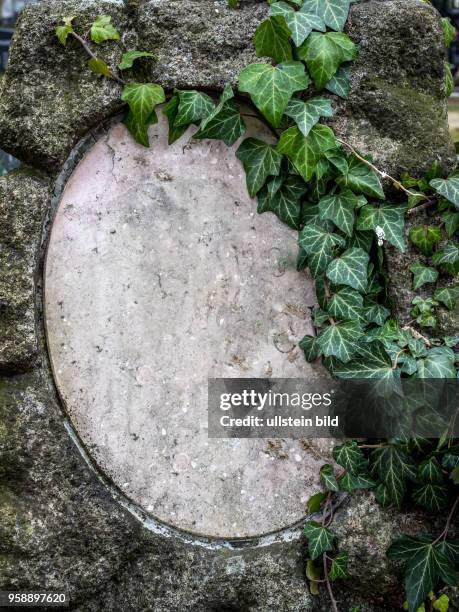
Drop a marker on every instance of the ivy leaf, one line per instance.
(451, 220)
(232, 4)
(128, 59)
(194, 106)
(430, 471)
(390, 217)
(170, 110)
(449, 31)
(318, 243)
(271, 39)
(307, 114)
(425, 237)
(303, 152)
(338, 567)
(280, 9)
(98, 66)
(224, 122)
(376, 313)
(448, 188)
(328, 479)
(407, 547)
(382, 495)
(448, 255)
(448, 296)
(351, 482)
(282, 203)
(362, 179)
(63, 31)
(315, 501)
(272, 87)
(422, 275)
(346, 305)
(340, 340)
(302, 24)
(432, 497)
(450, 548)
(339, 160)
(422, 574)
(324, 53)
(333, 12)
(351, 458)
(310, 347)
(320, 539)
(339, 84)
(350, 269)
(393, 466)
(102, 30)
(260, 160)
(340, 209)
(142, 100)
(374, 363)
(438, 363)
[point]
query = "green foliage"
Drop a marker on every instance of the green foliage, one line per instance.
(142, 99)
(449, 31)
(362, 179)
(350, 269)
(102, 29)
(422, 275)
(333, 12)
(272, 39)
(128, 59)
(224, 122)
(390, 218)
(98, 66)
(63, 31)
(324, 54)
(260, 160)
(448, 188)
(339, 566)
(307, 114)
(425, 237)
(320, 539)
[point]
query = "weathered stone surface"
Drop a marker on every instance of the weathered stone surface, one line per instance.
(396, 110)
(401, 282)
(23, 199)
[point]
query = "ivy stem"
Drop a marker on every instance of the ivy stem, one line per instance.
(418, 209)
(329, 589)
(397, 357)
(444, 533)
(417, 335)
(384, 175)
(86, 47)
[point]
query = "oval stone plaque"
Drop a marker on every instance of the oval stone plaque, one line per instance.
(160, 274)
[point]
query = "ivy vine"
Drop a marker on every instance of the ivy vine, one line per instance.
(333, 196)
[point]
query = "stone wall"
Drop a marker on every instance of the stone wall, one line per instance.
(63, 526)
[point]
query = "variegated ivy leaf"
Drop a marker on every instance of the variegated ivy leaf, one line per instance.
(340, 208)
(224, 122)
(328, 478)
(63, 31)
(272, 39)
(194, 106)
(301, 25)
(303, 152)
(307, 114)
(422, 275)
(350, 457)
(448, 188)
(346, 305)
(432, 497)
(324, 53)
(338, 567)
(362, 179)
(142, 99)
(339, 160)
(339, 84)
(310, 347)
(376, 313)
(425, 237)
(438, 363)
(451, 220)
(339, 340)
(448, 255)
(320, 539)
(393, 466)
(333, 12)
(372, 362)
(382, 495)
(272, 87)
(351, 482)
(447, 296)
(351, 269)
(319, 243)
(260, 160)
(128, 59)
(389, 217)
(450, 548)
(102, 29)
(280, 9)
(170, 110)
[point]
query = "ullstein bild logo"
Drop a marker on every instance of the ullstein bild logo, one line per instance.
(322, 408)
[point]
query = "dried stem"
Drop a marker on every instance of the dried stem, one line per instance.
(419, 209)
(444, 533)
(86, 47)
(382, 174)
(417, 335)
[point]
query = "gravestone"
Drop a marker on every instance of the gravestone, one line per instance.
(160, 274)
(91, 469)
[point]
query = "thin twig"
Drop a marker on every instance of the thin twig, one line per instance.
(444, 533)
(418, 209)
(86, 47)
(327, 580)
(397, 357)
(417, 334)
(382, 174)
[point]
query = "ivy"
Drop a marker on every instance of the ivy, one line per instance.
(333, 196)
